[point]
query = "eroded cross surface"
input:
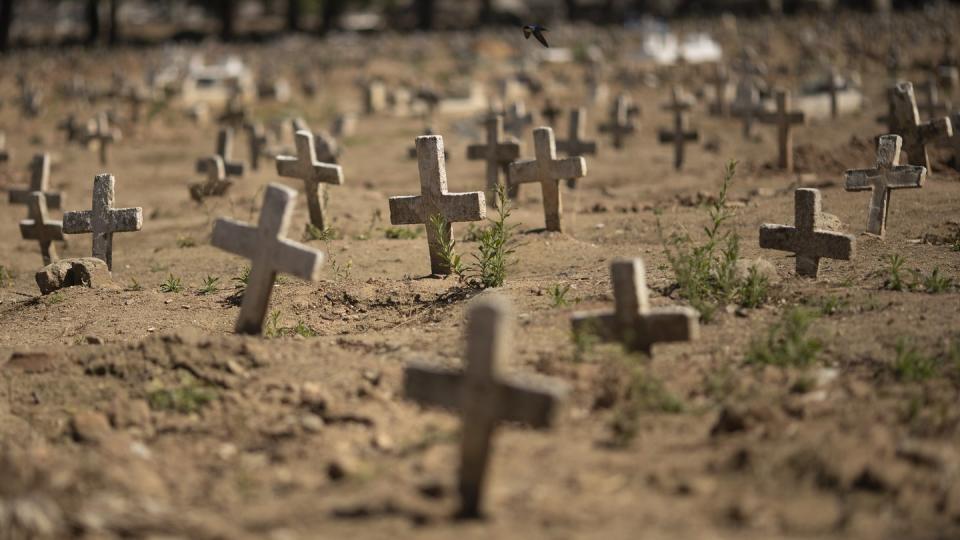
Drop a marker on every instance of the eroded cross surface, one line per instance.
(39, 181)
(807, 239)
(224, 149)
(434, 200)
(498, 152)
(906, 123)
(547, 170)
(305, 166)
(681, 133)
(620, 125)
(269, 251)
(217, 181)
(104, 135)
(103, 219)
(882, 180)
(633, 322)
(576, 143)
(482, 397)
(784, 119)
(41, 228)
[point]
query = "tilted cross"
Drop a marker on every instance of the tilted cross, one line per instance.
(550, 112)
(217, 181)
(269, 251)
(633, 322)
(681, 132)
(784, 119)
(498, 152)
(576, 143)
(547, 170)
(434, 200)
(103, 219)
(41, 228)
(103, 134)
(882, 179)
(806, 239)
(620, 125)
(482, 397)
(719, 81)
(906, 123)
(314, 174)
(39, 181)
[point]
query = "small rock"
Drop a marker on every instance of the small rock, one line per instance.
(167, 301)
(830, 222)
(89, 427)
(382, 441)
(371, 376)
(314, 398)
(342, 467)
(311, 423)
(94, 340)
(83, 272)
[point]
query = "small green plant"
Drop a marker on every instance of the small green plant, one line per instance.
(494, 254)
(910, 365)
(189, 397)
(6, 276)
(446, 245)
(754, 290)
(209, 285)
(171, 285)
(186, 242)
(643, 393)
(302, 329)
(895, 279)
(134, 285)
(787, 343)
(936, 282)
(402, 233)
(242, 280)
(558, 295)
(312, 232)
(271, 327)
(54, 299)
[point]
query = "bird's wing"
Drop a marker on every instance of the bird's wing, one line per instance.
(526, 32)
(539, 35)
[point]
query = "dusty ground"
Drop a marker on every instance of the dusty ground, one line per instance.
(177, 428)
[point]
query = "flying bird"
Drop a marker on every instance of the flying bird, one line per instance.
(537, 32)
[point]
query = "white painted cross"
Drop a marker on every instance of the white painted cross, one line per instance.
(482, 397)
(39, 181)
(269, 252)
(498, 152)
(806, 238)
(548, 171)
(313, 173)
(435, 200)
(882, 179)
(633, 322)
(103, 219)
(906, 123)
(41, 228)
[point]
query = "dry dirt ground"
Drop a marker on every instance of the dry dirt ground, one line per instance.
(176, 428)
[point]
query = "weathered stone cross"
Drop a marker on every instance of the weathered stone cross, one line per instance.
(224, 149)
(633, 322)
(548, 171)
(620, 125)
(217, 181)
(681, 132)
(269, 252)
(882, 179)
(906, 123)
(39, 181)
(806, 239)
(576, 143)
(41, 228)
(499, 151)
(104, 135)
(103, 220)
(434, 200)
(482, 397)
(314, 174)
(932, 106)
(784, 119)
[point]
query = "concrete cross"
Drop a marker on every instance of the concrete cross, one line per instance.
(784, 119)
(104, 135)
(412, 151)
(806, 239)
(39, 181)
(103, 219)
(498, 152)
(217, 181)
(620, 125)
(681, 133)
(224, 149)
(746, 105)
(517, 119)
(482, 397)
(882, 179)
(269, 251)
(550, 112)
(71, 128)
(305, 166)
(932, 106)
(41, 228)
(257, 143)
(633, 322)
(833, 90)
(719, 81)
(576, 143)
(548, 171)
(906, 123)
(324, 143)
(434, 200)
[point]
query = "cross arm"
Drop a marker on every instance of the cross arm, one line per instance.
(780, 237)
(533, 405)
(328, 173)
(78, 222)
(31, 230)
(833, 245)
(23, 196)
(940, 128)
(673, 323)
(126, 219)
(433, 386)
(571, 167)
(235, 236)
(521, 172)
(601, 324)
(296, 259)
(470, 206)
(906, 176)
(474, 151)
(405, 210)
(577, 148)
(860, 179)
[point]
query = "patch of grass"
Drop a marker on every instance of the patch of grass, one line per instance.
(271, 327)
(827, 305)
(447, 246)
(241, 281)
(302, 329)
(171, 285)
(156, 267)
(189, 397)
(644, 393)
(312, 232)
(911, 365)
(494, 254)
(706, 274)
(558, 295)
(54, 299)
(936, 282)
(787, 343)
(134, 285)
(402, 233)
(209, 285)
(895, 278)
(6, 276)
(186, 242)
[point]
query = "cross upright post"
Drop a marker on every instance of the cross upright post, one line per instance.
(887, 176)
(104, 135)
(681, 133)
(784, 119)
(576, 143)
(39, 181)
(906, 123)
(547, 170)
(306, 167)
(103, 220)
(620, 125)
(41, 228)
(498, 152)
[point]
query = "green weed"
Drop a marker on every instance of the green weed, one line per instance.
(54, 299)
(134, 285)
(171, 285)
(496, 247)
(271, 327)
(895, 279)
(312, 232)
(910, 365)
(209, 285)
(558, 295)
(242, 280)
(156, 267)
(786, 343)
(302, 329)
(188, 398)
(446, 246)
(936, 282)
(6, 276)
(186, 242)
(402, 233)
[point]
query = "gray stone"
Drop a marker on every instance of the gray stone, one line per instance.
(84, 272)
(906, 123)
(548, 170)
(306, 167)
(103, 219)
(886, 176)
